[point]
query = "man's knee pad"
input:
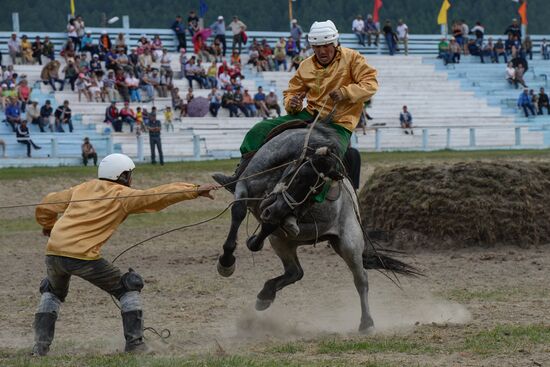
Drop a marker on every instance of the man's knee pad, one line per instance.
(49, 303)
(130, 301)
(132, 281)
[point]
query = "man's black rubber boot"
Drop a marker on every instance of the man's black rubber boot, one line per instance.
(44, 330)
(230, 182)
(132, 322)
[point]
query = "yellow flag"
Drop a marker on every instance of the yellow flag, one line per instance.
(442, 17)
(72, 8)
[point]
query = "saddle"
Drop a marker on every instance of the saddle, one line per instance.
(292, 124)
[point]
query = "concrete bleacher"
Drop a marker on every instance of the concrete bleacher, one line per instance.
(463, 106)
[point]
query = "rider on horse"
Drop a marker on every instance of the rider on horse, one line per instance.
(334, 75)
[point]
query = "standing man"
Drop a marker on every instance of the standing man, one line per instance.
(335, 77)
(406, 120)
(218, 30)
(76, 238)
(155, 128)
(237, 28)
(88, 152)
(403, 35)
(179, 29)
(296, 34)
(14, 48)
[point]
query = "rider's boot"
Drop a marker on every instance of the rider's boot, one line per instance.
(132, 322)
(290, 225)
(230, 182)
(44, 330)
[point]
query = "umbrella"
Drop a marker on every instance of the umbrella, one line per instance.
(197, 107)
(204, 33)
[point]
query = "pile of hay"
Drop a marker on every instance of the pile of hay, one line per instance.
(468, 203)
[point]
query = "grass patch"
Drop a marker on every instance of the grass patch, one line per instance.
(374, 345)
(508, 339)
(495, 295)
(123, 360)
(289, 348)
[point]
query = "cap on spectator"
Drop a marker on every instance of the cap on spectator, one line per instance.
(12, 85)
(183, 50)
(48, 101)
(272, 90)
(33, 102)
(88, 32)
(81, 75)
(113, 102)
(220, 17)
(96, 56)
(4, 85)
(86, 139)
(294, 21)
(103, 32)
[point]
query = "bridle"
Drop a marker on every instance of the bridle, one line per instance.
(282, 187)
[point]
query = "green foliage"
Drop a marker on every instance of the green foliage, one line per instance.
(374, 345)
(508, 339)
(420, 15)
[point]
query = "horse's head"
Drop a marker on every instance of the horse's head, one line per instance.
(300, 183)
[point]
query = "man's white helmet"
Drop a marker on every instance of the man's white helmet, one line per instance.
(112, 166)
(323, 33)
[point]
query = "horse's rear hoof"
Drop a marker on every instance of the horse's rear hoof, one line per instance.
(253, 244)
(369, 330)
(225, 271)
(262, 305)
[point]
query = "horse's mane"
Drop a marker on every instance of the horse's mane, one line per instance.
(323, 136)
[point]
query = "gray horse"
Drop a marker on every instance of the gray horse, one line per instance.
(288, 192)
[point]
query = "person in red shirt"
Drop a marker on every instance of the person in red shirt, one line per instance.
(24, 93)
(128, 115)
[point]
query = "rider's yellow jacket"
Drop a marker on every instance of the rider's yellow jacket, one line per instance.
(348, 72)
(89, 220)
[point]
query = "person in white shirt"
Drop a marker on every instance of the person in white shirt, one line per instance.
(403, 35)
(237, 28)
(14, 48)
(358, 27)
(166, 67)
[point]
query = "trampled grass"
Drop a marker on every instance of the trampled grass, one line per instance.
(394, 344)
(508, 339)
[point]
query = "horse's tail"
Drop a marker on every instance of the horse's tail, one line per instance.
(377, 257)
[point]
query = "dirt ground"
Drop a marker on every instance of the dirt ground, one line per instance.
(464, 292)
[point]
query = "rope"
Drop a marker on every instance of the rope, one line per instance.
(149, 194)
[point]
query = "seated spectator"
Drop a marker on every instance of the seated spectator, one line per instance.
(290, 47)
(189, 96)
(297, 60)
(358, 28)
(544, 50)
(105, 44)
(444, 51)
(534, 100)
(46, 115)
(50, 74)
(3, 145)
(133, 87)
(33, 113)
(217, 50)
(68, 50)
(112, 117)
(63, 116)
(527, 48)
(128, 115)
(14, 49)
(511, 74)
(215, 101)
(140, 123)
(479, 31)
(524, 101)
(71, 73)
(168, 118)
(516, 47)
(474, 50)
(406, 120)
(82, 85)
(499, 49)
(26, 50)
(543, 102)
(228, 101)
(224, 80)
(95, 65)
(259, 100)
(201, 73)
(121, 86)
(109, 86)
(183, 62)
(96, 87)
(120, 43)
(166, 67)
(238, 98)
(150, 81)
(37, 50)
(146, 60)
(88, 152)
(249, 104)
(454, 49)
(156, 47)
(371, 30)
(190, 73)
(488, 49)
(177, 102)
(24, 94)
(279, 57)
(520, 71)
(48, 49)
(211, 75)
(88, 45)
(272, 102)
(13, 113)
(24, 137)
(235, 58)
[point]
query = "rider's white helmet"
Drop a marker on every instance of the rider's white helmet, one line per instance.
(323, 33)
(112, 166)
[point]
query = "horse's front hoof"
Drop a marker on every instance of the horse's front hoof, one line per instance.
(263, 304)
(253, 244)
(225, 271)
(366, 330)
